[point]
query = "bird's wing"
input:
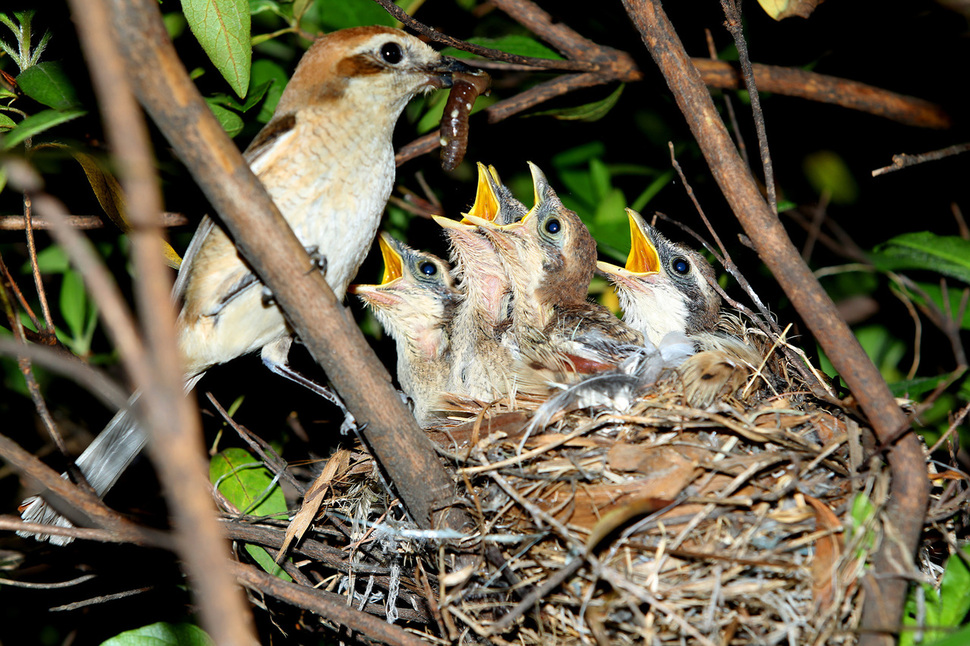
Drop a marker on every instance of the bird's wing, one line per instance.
(271, 134)
(205, 227)
(266, 140)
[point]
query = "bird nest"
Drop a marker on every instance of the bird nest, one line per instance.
(748, 522)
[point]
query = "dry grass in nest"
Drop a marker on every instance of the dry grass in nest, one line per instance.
(664, 524)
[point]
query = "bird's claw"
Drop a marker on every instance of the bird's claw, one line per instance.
(318, 260)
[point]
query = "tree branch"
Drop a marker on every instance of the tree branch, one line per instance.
(175, 434)
(271, 248)
(910, 487)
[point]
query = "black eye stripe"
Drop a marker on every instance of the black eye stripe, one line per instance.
(391, 53)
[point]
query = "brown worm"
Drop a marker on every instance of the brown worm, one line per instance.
(465, 88)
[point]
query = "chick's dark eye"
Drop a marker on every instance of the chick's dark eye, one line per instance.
(680, 265)
(391, 53)
(428, 268)
(553, 226)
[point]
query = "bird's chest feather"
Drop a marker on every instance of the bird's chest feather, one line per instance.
(332, 188)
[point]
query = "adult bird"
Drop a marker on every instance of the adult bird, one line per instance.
(415, 303)
(327, 161)
(666, 288)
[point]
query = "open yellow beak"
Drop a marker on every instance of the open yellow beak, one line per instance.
(486, 204)
(643, 258)
(393, 269)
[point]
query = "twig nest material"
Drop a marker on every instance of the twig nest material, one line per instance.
(664, 524)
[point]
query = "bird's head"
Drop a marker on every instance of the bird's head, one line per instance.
(365, 66)
(416, 296)
(477, 264)
(664, 287)
(549, 254)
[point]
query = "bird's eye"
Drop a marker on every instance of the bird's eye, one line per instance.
(553, 226)
(428, 268)
(680, 265)
(391, 53)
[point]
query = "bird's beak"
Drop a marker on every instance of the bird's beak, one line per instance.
(393, 266)
(487, 203)
(442, 73)
(643, 258)
(383, 294)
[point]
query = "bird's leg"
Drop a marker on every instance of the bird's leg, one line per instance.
(317, 259)
(274, 357)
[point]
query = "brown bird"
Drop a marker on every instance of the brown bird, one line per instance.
(666, 288)
(415, 303)
(481, 358)
(327, 161)
(549, 258)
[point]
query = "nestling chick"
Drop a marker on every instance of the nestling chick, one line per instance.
(482, 363)
(550, 257)
(666, 288)
(327, 161)
(415, 303)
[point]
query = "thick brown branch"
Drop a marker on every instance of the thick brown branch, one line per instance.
(175, 437)
(827, 89)
(507, 108)
(910, 487)
(328, 605)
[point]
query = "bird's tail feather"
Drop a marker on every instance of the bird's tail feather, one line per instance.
(102, 463)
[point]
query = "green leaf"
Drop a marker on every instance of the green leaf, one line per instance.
(915, 388)
(250, 487)
(935, 293)
(601, 178)
(885, 350)
(828, 174)
(353, 13)
(73, 302)
(589, 112)
(51, 260)
(259, 6)
(231, 122)
(6, 123)
(253, 96)
(652, 189)
(36, 124)
(162, 634)
(47, 83)
(266, 71)
(222, 27)
(511, 44)
(959, 638)
(947, 255)
(581, 154)
(246, 483)
(955, 591)
(610, 223)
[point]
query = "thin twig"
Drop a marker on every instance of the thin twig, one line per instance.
(733, 15)
(486, 52)
(904, 161)
(729, 104)
(16, 222)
